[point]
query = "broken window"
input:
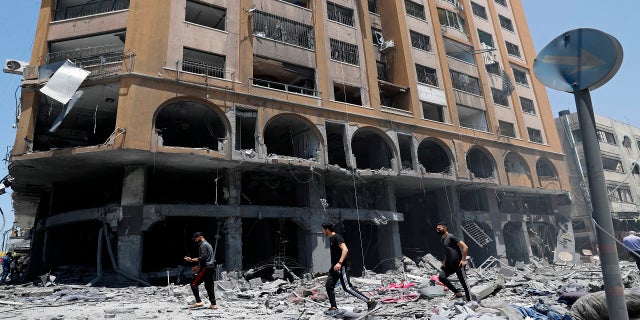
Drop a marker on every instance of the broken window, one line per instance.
(432, 111)
(472, 200)
(69, 9)
(610, 164)
(493, 68)
(376, 36)
(283, 76)
(478, 10)
(536, 204)
(206, 15)
(427, 75)
(527, 106)
(505, 23)
(465, 82)
(626, 142)
(472, 118)
(458, 51)
(288, 135)
(340, 14)
(245, 128)
(433, 157)
(545, 169)
(605, 136)
(382, 72)
(336, 150)
(371, 150)
(405, 143)
(507, 129)
(451, 19)
(347, 94)
(480, 165)
(102, 60)
(499, 97)
(420, 41)
(486, 38)
(520, 77)
(513, 49)
(372, 6)
(270, 26)
(344, 52)
(190, 124)
(415, 10)
(515, 164)
(201, 62)
(535, 135)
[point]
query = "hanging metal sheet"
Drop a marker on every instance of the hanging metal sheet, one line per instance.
(64, 83)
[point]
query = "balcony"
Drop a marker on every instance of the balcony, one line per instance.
(283, 76)
(69, 9)
(100, 61)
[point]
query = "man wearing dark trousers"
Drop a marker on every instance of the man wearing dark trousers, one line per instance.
(455, 260)
(340, 269)
(205, 272)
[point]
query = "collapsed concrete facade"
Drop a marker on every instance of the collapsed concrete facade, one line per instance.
(255, 121)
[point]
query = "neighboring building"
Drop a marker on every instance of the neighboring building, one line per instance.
(260, 119)
(620, 151)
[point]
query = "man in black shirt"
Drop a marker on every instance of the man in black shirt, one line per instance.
(455, 260)
(340, 269)
(205, 273)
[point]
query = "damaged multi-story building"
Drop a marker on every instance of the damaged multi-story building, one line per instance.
(256, 120)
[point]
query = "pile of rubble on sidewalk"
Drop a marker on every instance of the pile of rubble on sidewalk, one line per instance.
(533, 291)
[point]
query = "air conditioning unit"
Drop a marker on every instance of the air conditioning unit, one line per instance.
(385, 46)
(14, 66)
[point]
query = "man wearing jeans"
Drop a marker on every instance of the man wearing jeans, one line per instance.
(455, 259)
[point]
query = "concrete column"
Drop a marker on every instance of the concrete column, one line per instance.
(129, 230)
(233, 244)
(495, 222)
(313, 248)
(389, 244)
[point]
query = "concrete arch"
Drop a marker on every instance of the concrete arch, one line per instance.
(546, 169)
(292, 135)
(367, 142)
(517, 169)
(435, 156)
(481, 162)
(191, 123)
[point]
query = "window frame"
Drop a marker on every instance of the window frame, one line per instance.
(513, 49)
(533, 138)
(502, 124)
(412, 8)
(336, 13)
(520, 77)
(421, 69)
(523, 104)
(506, 23)
(476, 7)
(352, 51)
(417, 37)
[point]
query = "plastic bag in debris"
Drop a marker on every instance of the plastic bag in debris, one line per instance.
(594, 306)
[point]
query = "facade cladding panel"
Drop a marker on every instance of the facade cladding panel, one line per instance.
(245, 124)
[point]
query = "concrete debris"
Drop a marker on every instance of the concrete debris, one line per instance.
(534, 291)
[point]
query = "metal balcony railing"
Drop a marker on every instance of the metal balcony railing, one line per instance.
(199, 67)
(100, 61)
(89, 8)
(284, 87)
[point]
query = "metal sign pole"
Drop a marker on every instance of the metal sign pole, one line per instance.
(614, 290)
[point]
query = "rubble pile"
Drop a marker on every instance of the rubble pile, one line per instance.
(537, 290)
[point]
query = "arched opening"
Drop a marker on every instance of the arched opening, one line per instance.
(190, 124)
(545, 169)
(515, 243)
(433, 157)
(288, 135)
(479, 163)
(371, 150)
(517, 170)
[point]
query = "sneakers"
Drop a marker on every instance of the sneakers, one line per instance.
(371, 304)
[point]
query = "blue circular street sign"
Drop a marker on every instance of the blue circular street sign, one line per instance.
(578, 59)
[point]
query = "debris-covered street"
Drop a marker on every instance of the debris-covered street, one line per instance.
(533, 291)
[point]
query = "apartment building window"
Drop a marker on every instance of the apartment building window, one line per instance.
(414, 9)
(206, 15)
(465, 82)
(381, 67)
(427, 75)
(493, 68)
(373, 6)
(499, 97)
(472, 118)
(527, 105)
(376, 36)
(619, 194)
(266, 25)
(613, 165)
(299, 3)
(507, 129)
(505, 23)
(520, 77)
(340, 14)
(200, 62)
(512, 49)
(347, 94)
(420, 41)
(638, 143)
(478, 10)
(432, 111)
(344, 52)
(458, 50)
(502, 2)
(485, 38)
(535, 135)
(450, 19)
(69, 9)
(605, 136)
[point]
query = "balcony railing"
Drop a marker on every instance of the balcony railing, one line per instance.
(199, 67)
(100, 61)
(90, 8)
(284, 87)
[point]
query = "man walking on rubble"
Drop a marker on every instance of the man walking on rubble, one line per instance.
(340, 269)
(205, 271)
(455, 260)
(6, 265)
(632, 244)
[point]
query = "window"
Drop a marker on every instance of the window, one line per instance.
(376, 36)
(300, 3)
(203, 63)
(433, 111)
(427, 75)
(527, 105)
(465, 82)
(347, 94)
(266, 25)
(506, 129)
(610, 164)
(340, 14)
(499, 97)
(458, 51)
(344, 52)
(450, 19)
(472, 118)
(520, 77)
(619, 194)
(414, 9)
(606, 137)
(74, 9)
(382, 70)
(373, 6)
(502, 2)
(479, 10)
(420, 41)
(535, 135)
(512, 49)
(206, 15)
(493, 68)
(485, 38)
(505, 23)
